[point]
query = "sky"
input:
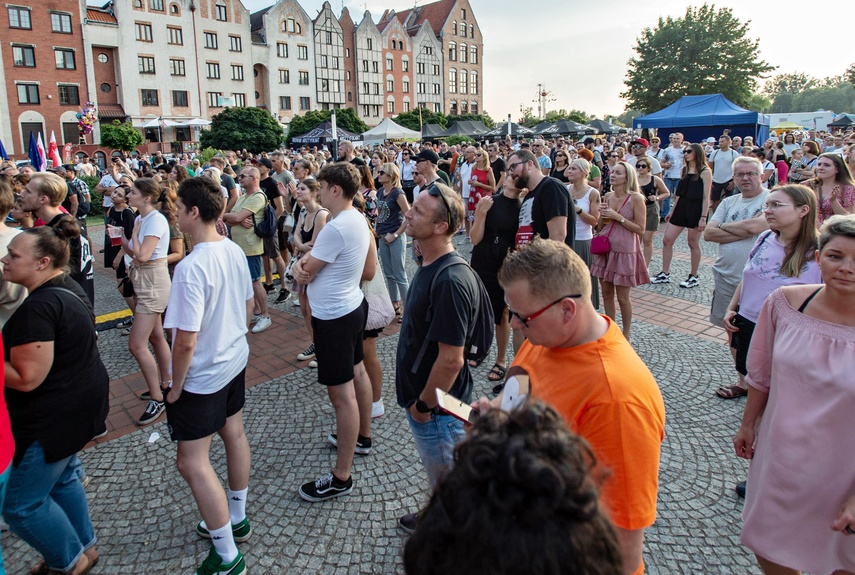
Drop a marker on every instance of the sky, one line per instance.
(578, 50)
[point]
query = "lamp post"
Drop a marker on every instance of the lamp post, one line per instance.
(334, 151)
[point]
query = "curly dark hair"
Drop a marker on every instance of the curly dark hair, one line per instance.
(521, 499)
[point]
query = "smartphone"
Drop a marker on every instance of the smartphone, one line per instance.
(455, 407)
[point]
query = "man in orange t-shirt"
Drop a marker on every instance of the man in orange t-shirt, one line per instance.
(578, 362)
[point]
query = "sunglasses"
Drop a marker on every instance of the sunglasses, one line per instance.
(642, 166)
(381, 173)
(613, 155)
(437, 193)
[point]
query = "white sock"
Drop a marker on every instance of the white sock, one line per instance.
(237, 505)
(224, 543)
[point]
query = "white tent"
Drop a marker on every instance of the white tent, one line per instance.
(389, 130)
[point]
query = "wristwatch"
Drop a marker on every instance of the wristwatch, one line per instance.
(422, 407)
(622, 220)
(579, 211)
(395, 234)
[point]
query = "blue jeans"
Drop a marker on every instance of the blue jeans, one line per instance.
(46, 507)
(392, 258)
(435, 441)
(4, 479)
(671, 184)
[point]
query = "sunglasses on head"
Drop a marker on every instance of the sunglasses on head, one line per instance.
(437, 193)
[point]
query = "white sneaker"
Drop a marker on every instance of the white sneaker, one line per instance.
(377, 409)
(255, 318)
(690, 282)
(296, 301)
(263, 323)
(313, 364)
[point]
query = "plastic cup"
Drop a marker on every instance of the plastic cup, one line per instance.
(115, 236)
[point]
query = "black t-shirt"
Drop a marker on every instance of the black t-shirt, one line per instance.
(270, 189)
(81, 261)
(500, 230)
(69, 408)
(123, 219)
(498, 166)
(357, 161)
(455, 307)
(548, 200)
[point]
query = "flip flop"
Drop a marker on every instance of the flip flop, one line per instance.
(497, 373)
(731, 392)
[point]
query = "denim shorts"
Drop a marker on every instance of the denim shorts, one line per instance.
(254, 263)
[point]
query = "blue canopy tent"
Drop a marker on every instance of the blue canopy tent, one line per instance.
(699, 117)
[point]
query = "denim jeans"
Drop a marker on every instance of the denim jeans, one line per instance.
(4, 480)
(435, 441)
(46, 507)
(392, 258)
(671, 184)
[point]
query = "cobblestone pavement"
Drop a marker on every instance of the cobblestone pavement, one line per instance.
(144, 514)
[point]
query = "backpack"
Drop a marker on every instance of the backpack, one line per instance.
(479, 341)
(268, 226)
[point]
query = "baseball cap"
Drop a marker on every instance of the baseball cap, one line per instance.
(263, 162)
(427, 155)
(710, 140)
(58, 170)
(642, 141)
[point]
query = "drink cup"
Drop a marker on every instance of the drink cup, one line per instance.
(115, 234)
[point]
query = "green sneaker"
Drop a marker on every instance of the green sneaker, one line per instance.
(241, 532)
(213, 565)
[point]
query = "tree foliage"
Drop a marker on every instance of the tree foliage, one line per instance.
(483, 118)
(458, 140)
(252, 129)
(120, 136)
(345, 118)
(625, 119)
(849, 74)
(411, 119)
(707, 51)
(800, 92)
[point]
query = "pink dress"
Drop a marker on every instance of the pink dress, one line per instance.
(803, 470)
(624, 264)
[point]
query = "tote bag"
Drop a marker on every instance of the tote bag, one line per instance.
(380, 309)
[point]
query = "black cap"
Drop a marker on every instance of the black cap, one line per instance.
(428, 155)
(264, 162)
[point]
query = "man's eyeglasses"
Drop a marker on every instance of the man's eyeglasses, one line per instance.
(437, 193)
(512, 167)
(741, 175)
(525, 320)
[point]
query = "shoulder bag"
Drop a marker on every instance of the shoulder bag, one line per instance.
(380, 309)
(600, 243)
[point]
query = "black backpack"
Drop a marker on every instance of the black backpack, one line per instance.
(478, 342)
(268, 226)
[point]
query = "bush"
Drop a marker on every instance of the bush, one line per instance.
(208, 153)
(96, 209)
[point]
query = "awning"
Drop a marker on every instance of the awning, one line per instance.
(111, 112)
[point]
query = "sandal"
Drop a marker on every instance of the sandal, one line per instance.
(475, 363)
(497, 373)
(731, 392)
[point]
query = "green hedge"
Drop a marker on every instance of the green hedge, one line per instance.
(96, 209)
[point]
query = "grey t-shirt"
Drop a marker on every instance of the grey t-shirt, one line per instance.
(732, 256)
(285, 177)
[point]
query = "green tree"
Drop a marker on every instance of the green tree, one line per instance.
(411, 119)
(705, 52)
(253, 129)
(836, 98)
(562, 114)
(120, 136)
(625, 119)
(458, 140)
(345, 118)
(759, 103)
(849, 74)
(483, 118)
(527, 119)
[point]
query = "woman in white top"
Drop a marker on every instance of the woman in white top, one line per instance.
(148, 248)
(587, 200)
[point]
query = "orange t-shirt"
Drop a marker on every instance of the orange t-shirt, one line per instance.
(607, 395)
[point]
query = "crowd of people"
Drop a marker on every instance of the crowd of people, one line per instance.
(559, 230)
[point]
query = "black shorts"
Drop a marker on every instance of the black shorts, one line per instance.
(741, 341)
(282, 233)
(197, 415)
(720, 191)
(271, 247)
(338, 345)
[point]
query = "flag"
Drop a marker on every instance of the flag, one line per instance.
(42, 165)
(3, 153)
(35, 160)
(53, 152)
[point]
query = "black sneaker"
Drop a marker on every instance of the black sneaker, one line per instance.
(740, 488)
(661, 278)
(268, 287)
(127, 322)
(151, 413)
(325, 487)
(283, 295)
(363, 444)
(308, 353)
(409, 522)
(690, 282)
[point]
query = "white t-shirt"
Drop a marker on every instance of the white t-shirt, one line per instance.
(108, 182)
(154, 224)
(723, 168)
(732, 256)
(210, 288)
(767, 165)
(675, 157)
(342, 244)
(465, 176)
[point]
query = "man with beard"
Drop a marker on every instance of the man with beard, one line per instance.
(545, 211)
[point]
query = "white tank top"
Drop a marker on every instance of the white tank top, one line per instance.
(583, 230)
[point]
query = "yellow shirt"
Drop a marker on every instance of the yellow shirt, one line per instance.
(251, 244)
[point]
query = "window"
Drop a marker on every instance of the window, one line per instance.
(375, 67)
(138, 4)
(291, 26)
(211, 40)
(325, 63)
(214, 99)
(284, 76)
(390, 85)
(365, 65)
(146, 64)
(405, 86)
(176, 36)
(366, 88)
(143, 32)
(335, 64)
(428, 50)
(390, 106)
(463, 86)
(421, 87)
(305, 103)
(64, 58)
(213, 70)
(463, 53)
(436, 107)
(452, 51)
(304, 78)
(106, 88)
(176, 67)
(463, 14)
(390, 63)
(24, 56)
(323, 85)
(376, 110)
(282, 49)
(347, 52)
(156, 5)
(452, 81)
(235, 44)
(240, 100)
(420, 68)
(406, 106)
(69, 95)
(473, 82)
(463, 30)
(174, 9)
(366, 110)
(222, 13)
(179, 98)
(237, 72)
(302, 52)
(405, 65)
(376, 86)
(284, 102)
(435, 69)
(20, 18)
(473, 55)
(70, 132)
(369, 43)
(350, 96)
(464, 107)
(472, 30)
(436, 88)
(327, 37)
(148, 97)
(60, 22)
(474, 108)
(454, 27)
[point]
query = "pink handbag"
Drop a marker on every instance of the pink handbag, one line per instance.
(599, 243)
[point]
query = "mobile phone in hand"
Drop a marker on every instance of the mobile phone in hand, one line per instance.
(453, 406)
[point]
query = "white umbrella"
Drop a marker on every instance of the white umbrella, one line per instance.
(197, 122)
(153, 123)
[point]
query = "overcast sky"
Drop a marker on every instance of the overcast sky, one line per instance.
(579, 50)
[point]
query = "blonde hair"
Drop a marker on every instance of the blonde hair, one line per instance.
(802, 249)
(394, 174)
(836, 226)
(556, 267)
(631, 178)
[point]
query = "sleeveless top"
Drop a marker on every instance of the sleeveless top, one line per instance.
(584, 231)
(306, 236)
(647, 190)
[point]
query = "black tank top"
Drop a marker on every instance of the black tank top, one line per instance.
(648, 190)
(305, 236)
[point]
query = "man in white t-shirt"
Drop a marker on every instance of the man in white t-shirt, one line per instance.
(465, 176)
(721, 164)
(638, 149)
(672, 166)
(209, 304)
(332, 273)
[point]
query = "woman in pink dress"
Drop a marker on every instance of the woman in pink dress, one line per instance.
(799, 513)
(623, 218)
(834, 187)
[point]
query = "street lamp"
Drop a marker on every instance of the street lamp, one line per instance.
(334, 150)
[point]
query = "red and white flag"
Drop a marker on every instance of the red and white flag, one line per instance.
(40, 146)
(53, 152)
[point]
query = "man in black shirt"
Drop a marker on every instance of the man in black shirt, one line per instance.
(545, 211)
(271, 245)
